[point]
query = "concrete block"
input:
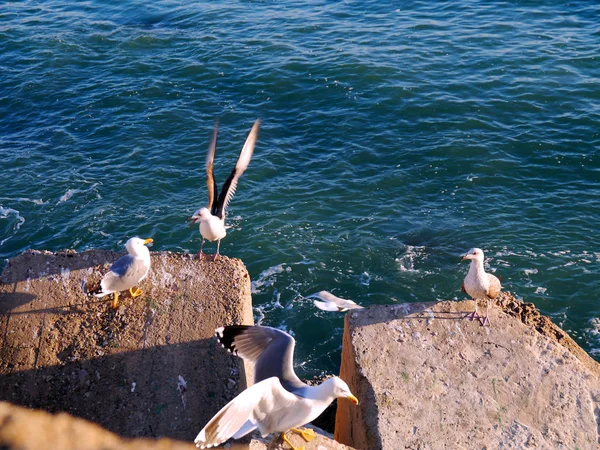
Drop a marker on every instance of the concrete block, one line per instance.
(427, 378)
(150, 368)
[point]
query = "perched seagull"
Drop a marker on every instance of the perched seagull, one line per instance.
(127, 271)
(479, 284)
(332, 303)
(278, 401)
(212, 218)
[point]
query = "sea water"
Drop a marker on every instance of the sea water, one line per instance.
(395, 136)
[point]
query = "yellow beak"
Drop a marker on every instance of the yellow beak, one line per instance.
(353, 399)
(148, 241)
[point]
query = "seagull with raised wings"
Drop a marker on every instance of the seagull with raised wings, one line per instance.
(212, 217)
(278, 401)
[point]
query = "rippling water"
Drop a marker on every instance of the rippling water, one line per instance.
(393, 139)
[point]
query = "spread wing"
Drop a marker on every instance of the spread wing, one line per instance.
(213, 191)
(231, 184)
(332, 303)
(260, 406)
(271, 350)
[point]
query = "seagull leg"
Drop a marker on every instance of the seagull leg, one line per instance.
(474, 315)
(217, 254)
(115, 303)
(307, 434)
(200, 254)
(486, 320)
(135, 293)
(286, 440)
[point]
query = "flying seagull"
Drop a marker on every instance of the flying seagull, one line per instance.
(127, 271)
(212, 217)
(332, 303)
(479, 284)
(278, 401)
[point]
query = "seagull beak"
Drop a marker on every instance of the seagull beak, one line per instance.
(192, 220)
(353, 399)
(464, 258)
(148, 241)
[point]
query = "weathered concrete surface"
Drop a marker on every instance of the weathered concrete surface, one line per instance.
(323, 441)
(23, 429)
(150, 368)
(428, 378)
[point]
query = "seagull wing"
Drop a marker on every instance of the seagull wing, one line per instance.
(326, 306)
(231, 184)
(332, 303)
(125, 273)
(259, 406)
(271, 350)
(213, 191)
(495, 286)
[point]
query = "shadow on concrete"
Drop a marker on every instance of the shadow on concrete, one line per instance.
(405, 311)
(8, 302)
(170, 390)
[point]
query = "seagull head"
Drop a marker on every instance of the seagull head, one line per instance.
(475, 254)
(199, 216)
(341, 390)
(135, 244)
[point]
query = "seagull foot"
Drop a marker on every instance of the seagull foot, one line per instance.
(216, 257)
(306, 433)
(484, 321)
(115, 303)
(474, 315)
(287, 441)
(135, 293)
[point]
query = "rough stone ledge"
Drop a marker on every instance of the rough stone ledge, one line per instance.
(428, 378)
(25, 429)
(150, 368)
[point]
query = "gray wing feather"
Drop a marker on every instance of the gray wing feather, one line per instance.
(125, 273)
(271, 350)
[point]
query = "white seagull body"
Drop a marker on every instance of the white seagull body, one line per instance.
(332, 303)
(127, 271)
(278, 401)
(212, 217)
(478, 283)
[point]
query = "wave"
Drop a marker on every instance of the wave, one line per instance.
(5, 213)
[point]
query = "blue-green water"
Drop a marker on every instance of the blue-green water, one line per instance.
(395, 136)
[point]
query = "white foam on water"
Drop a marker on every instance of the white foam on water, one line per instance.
(35, 201)
(406, 262)
(592, 335)
(365, 278)
(70, 192)
(5, 213)
(268, 277)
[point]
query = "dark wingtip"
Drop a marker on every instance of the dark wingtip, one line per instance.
(226, 336)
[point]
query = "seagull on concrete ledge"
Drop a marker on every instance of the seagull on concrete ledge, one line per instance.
(212, 217)
(479, 284)
(127, 271)
(332, 303)
(278, 401)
